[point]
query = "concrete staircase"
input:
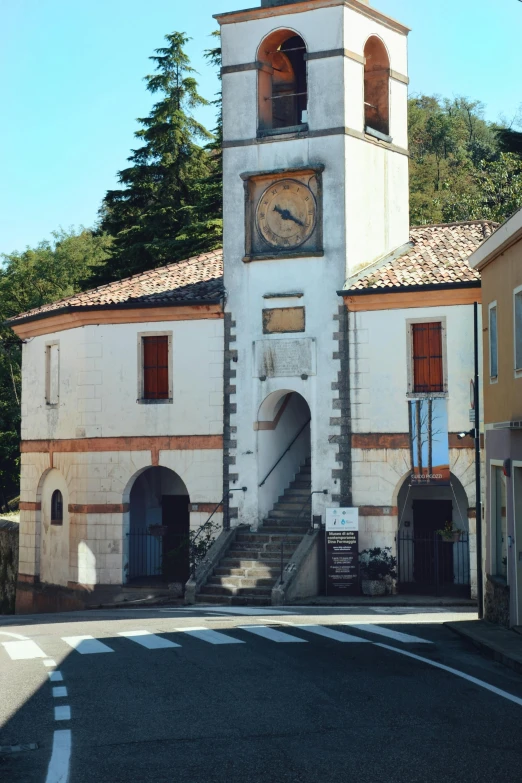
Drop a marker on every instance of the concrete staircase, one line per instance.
(252, 566)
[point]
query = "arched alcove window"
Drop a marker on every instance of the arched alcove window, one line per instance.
(376, 87)
(283, 89)
(57, 508)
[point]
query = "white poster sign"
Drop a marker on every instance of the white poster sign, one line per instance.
(342, 519)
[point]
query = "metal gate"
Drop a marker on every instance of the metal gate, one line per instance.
(428, 564)
(145, 553)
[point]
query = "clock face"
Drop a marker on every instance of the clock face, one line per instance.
(286, 214)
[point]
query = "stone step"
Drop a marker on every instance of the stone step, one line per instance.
(260, 592)
(254, 554)
(292, 516)
(240, 581)
(291, 529)
(249, 562)
(233, 600)
(294, 496)
(301, 483)
(250, 572)
(260, 537)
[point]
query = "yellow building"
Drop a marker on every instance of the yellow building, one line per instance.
(499, 261)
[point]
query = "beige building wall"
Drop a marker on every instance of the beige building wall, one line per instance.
(503, 397)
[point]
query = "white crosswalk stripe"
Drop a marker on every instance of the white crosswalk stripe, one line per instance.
(378, 630)
(330, 633)
(210, 636)
(87, 645)
(272, 634)
(148, 640)
(24, 650)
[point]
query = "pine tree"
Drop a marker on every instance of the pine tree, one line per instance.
(150, 216)
(205, 233)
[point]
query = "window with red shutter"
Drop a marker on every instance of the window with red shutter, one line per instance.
(428, 371)
(156, 368)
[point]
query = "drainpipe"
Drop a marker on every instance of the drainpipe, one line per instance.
(478, 504)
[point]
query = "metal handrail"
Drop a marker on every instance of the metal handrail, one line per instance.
(193, 539)
(285, 539)
(305, 425)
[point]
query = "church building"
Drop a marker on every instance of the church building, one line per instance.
(323, 359)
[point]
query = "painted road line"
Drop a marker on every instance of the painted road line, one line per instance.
(63, 712)
(55, 676)
(272, 634)
(330, 633)
(25, 650)
(86, 645)
(456, 672)
(49, 663)
(58, 770)
(148, 640)
(245, 610)
(378, 630)
(60, 692)
(212, 637)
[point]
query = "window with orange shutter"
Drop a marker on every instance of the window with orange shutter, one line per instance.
(428, 370)
(156, 368)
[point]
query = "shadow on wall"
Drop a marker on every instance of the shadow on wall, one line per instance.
(9, 534)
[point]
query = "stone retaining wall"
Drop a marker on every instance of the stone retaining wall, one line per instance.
(8, 565)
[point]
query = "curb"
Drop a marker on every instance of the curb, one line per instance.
(489, 649)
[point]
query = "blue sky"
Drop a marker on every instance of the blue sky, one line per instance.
(71, 87)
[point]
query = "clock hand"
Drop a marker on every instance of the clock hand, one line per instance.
(287, 215)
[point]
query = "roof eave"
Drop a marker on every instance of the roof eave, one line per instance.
(500, 240)
(115, 306)
(410, 288)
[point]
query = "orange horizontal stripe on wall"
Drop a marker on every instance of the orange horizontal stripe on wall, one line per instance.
(98, 508)
(160, 443)
(381, 440)
(401, 440)
(28, 579)
(378, 511)
(206, 508)
(26, 505)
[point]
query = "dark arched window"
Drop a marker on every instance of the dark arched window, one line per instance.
(376, 87)
(57, 508)
(283, 89)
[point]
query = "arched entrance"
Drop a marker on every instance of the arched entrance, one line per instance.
(427, 562)
(158, 528)
(284, 451)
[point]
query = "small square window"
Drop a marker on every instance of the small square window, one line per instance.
(493, 341)
(518, 330)
(52, 373)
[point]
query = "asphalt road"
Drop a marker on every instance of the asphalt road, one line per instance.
(338, 697)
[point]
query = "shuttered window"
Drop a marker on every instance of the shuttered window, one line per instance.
(156, 368)
(428, 371)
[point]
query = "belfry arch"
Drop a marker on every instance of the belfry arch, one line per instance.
(282, 81)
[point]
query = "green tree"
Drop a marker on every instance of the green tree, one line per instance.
(152, 217)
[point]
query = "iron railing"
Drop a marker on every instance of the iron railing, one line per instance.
(427, 563)
(305, 425)
(198, 547)
(285, 539)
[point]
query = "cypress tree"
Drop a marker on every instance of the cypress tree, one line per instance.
(151, 215)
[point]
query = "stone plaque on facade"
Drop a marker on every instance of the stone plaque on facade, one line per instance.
(284, 358)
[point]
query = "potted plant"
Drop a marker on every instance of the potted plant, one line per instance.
(449, 533)
(378, 568)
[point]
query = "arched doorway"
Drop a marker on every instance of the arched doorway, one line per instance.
(427, 562)
(284, 451)
(159, 528)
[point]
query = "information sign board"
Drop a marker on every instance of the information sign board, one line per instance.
(342, 551)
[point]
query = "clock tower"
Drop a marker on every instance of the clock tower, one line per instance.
(315, 180)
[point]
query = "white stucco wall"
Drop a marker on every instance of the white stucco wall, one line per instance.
(99, 383)
(379, 366)
(365, 202)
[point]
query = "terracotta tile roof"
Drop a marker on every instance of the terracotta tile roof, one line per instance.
(197, 279)
(438, 256)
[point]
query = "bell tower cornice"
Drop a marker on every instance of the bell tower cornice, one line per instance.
(272, 8)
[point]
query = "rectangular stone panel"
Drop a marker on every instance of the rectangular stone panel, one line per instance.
(284, 358)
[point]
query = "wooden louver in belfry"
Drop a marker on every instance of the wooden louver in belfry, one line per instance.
(156, 368)
(428, 375)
